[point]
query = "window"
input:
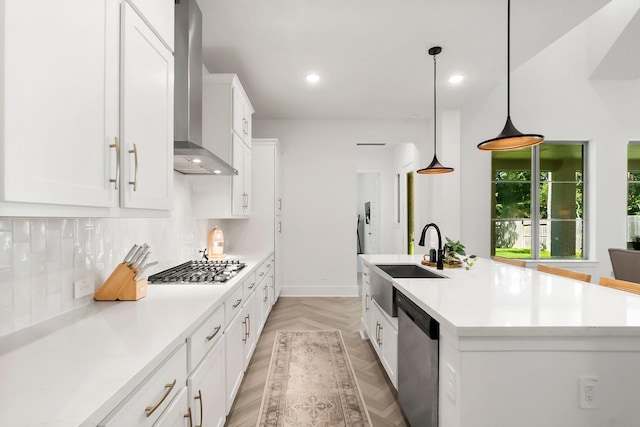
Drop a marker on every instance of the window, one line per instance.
(633, 194)
(538, 202)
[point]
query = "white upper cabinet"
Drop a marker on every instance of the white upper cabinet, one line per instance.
(226, 131)
(147, 116)
(159, 15)
(59, 102)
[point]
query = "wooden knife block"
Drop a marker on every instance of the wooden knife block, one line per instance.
(121, 286)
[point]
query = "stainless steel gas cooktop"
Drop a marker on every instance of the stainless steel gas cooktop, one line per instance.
(199, 272)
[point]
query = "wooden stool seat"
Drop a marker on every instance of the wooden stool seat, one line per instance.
(564, 273)
(516, 262)
(621, 285)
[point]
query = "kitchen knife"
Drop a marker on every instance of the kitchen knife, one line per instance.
(138, 255)
(136, 266)
(143, 268)
(130, 253)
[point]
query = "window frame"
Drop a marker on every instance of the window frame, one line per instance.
(535, 203)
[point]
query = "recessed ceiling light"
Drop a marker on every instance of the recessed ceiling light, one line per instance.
(313, 78)
(456, 79)
(196, 160)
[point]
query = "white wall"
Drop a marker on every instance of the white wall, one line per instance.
(553, 95)
(319, 165)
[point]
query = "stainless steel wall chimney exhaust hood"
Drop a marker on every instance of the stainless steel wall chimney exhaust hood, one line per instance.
(189, 156)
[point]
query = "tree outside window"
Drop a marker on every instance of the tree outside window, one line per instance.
(538, 206)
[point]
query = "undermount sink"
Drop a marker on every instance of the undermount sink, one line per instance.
(408, 271)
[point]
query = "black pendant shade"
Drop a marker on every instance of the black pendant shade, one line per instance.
(510, 138)
(435, 167)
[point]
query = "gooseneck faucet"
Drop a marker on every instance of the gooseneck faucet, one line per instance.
(440, 258)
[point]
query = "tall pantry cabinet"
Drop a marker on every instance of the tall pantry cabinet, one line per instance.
(266, 219)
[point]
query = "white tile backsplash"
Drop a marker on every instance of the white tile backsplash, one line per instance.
(41, 257)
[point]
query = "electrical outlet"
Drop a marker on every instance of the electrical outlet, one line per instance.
(83, 287)
(450, 382)
(588, 392)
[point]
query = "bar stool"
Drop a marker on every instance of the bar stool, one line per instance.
(564, 273)
(516, 262)
(622, 285)
(625, 264)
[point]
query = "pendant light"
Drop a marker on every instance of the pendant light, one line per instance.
(510, 138)
(434, 167)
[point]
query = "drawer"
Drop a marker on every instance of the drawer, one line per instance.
(204, 338)
(261, 272)
(233, 304)
(144, 406)
(365, 274)
(250, 283)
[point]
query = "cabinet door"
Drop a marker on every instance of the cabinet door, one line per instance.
(246, 179)
(207, 395)
(237, 111)
(160, 16)
(390, 351)
(237, 181)
(59, 120)
(235, 337)
(177, 413)
(147, 116)
(251, 325)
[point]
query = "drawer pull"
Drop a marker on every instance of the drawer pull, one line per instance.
(237, 303)
(188, 415)
(252, 285)
(215, 332)
(261, 274)
(151, 409)
(199, 397)
(268, 265)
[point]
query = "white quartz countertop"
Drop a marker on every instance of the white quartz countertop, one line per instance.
(497, 299)
(72, 369)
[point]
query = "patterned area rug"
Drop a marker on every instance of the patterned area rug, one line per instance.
(311, 383)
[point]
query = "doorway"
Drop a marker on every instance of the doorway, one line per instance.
(368, 210)
(410, 215)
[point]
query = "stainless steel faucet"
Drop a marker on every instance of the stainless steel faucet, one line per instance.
(440, 257)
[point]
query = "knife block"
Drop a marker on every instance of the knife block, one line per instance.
(121, 286)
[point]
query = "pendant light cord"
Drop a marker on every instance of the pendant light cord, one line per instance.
(508, 58)
(435, 112)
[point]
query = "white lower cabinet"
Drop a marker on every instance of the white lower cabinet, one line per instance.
(177, 414)
(251, 328)
(234, 337)
(383, 333)
(207, 397)
(154, 395)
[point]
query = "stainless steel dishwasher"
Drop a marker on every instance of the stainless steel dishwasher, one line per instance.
(418, 339)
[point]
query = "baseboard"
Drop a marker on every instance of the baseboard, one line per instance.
(319, 291)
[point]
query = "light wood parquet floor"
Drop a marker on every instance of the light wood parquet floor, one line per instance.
(293, 313)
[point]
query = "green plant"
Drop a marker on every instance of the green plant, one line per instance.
(454, 253)
(635, 238)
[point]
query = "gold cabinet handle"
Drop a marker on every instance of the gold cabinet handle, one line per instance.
(280, 204)
(199, 397)
(248, 325)
(116, 145)
(135, 170)
(268, 265)
(151, 409)
(215, 332)
(188, 415)
(279, 226)
(252, 285)
(237, 303)
(244, 335)
(261, 274)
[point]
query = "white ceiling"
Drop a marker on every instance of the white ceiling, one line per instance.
(372, 54)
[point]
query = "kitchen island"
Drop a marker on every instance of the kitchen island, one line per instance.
(518, 346)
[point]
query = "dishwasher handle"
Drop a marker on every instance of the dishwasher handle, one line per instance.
(422, 320)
